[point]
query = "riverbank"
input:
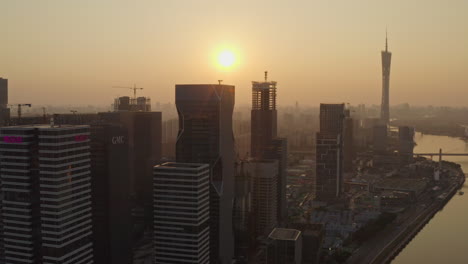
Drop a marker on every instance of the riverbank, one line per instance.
(388, 243)
(396, 245)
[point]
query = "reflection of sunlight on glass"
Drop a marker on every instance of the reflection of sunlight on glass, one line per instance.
(226, 59)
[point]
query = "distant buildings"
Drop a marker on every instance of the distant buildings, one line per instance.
(46, 184)
(181, 213)
(385, 106)
(206, 136)
(329, 152)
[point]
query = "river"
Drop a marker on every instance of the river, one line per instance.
(445, 238)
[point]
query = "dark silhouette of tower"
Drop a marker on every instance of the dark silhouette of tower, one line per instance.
(206, 136)
(329, 152)
(264, 117)
(386, 61)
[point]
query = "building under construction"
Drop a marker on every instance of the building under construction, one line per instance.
(138, 104)
(263, 117)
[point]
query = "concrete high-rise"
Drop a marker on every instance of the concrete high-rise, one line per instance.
(264, 141)
(264, 176)
(46, 184)
(181, 213)
(329, 152)
(112, 226)
(385, 106)
(263, 117)
(206, 136)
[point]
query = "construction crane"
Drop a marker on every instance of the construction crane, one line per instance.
(134, 88)
(19, 110)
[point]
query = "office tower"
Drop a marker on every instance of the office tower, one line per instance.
(46, 183)
(263, 117)
(145, 146)
(264, 175)
(205, 136)
(4, 110)
(181, 213)
(385, 106)
(329, 152)
(285, 246)
(278, 150)
(331, 118)
(110, 194)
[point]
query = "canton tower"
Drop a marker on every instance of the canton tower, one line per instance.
(385, 106)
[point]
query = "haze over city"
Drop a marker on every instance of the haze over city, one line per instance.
(73, 52)
(233, 132)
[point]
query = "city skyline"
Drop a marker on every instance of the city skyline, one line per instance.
(318, 52)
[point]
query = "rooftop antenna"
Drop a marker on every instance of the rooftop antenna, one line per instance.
(266, 76)
(386, 41)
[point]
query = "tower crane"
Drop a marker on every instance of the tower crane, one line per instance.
(19, 110)
(134, 88)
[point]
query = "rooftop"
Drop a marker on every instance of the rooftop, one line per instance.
(284, 234)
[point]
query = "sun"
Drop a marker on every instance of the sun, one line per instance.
(226, 58)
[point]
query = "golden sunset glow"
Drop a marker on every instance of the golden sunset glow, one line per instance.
(226, 58)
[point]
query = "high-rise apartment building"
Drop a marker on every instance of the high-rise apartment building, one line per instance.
(110, 172)
(182, 213)
(263, 117)
(46, 185)
(385, 106)
(206, 136)
(329, 152)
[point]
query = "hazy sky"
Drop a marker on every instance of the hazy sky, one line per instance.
(56, 51)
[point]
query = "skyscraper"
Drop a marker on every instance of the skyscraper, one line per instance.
(264, 141)
(145, 147)
(264, 175)
(263, 117)
(329, 152)
(182, 213)
(112, 224)
(385, 106)
(46, 183)
(206, 136)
